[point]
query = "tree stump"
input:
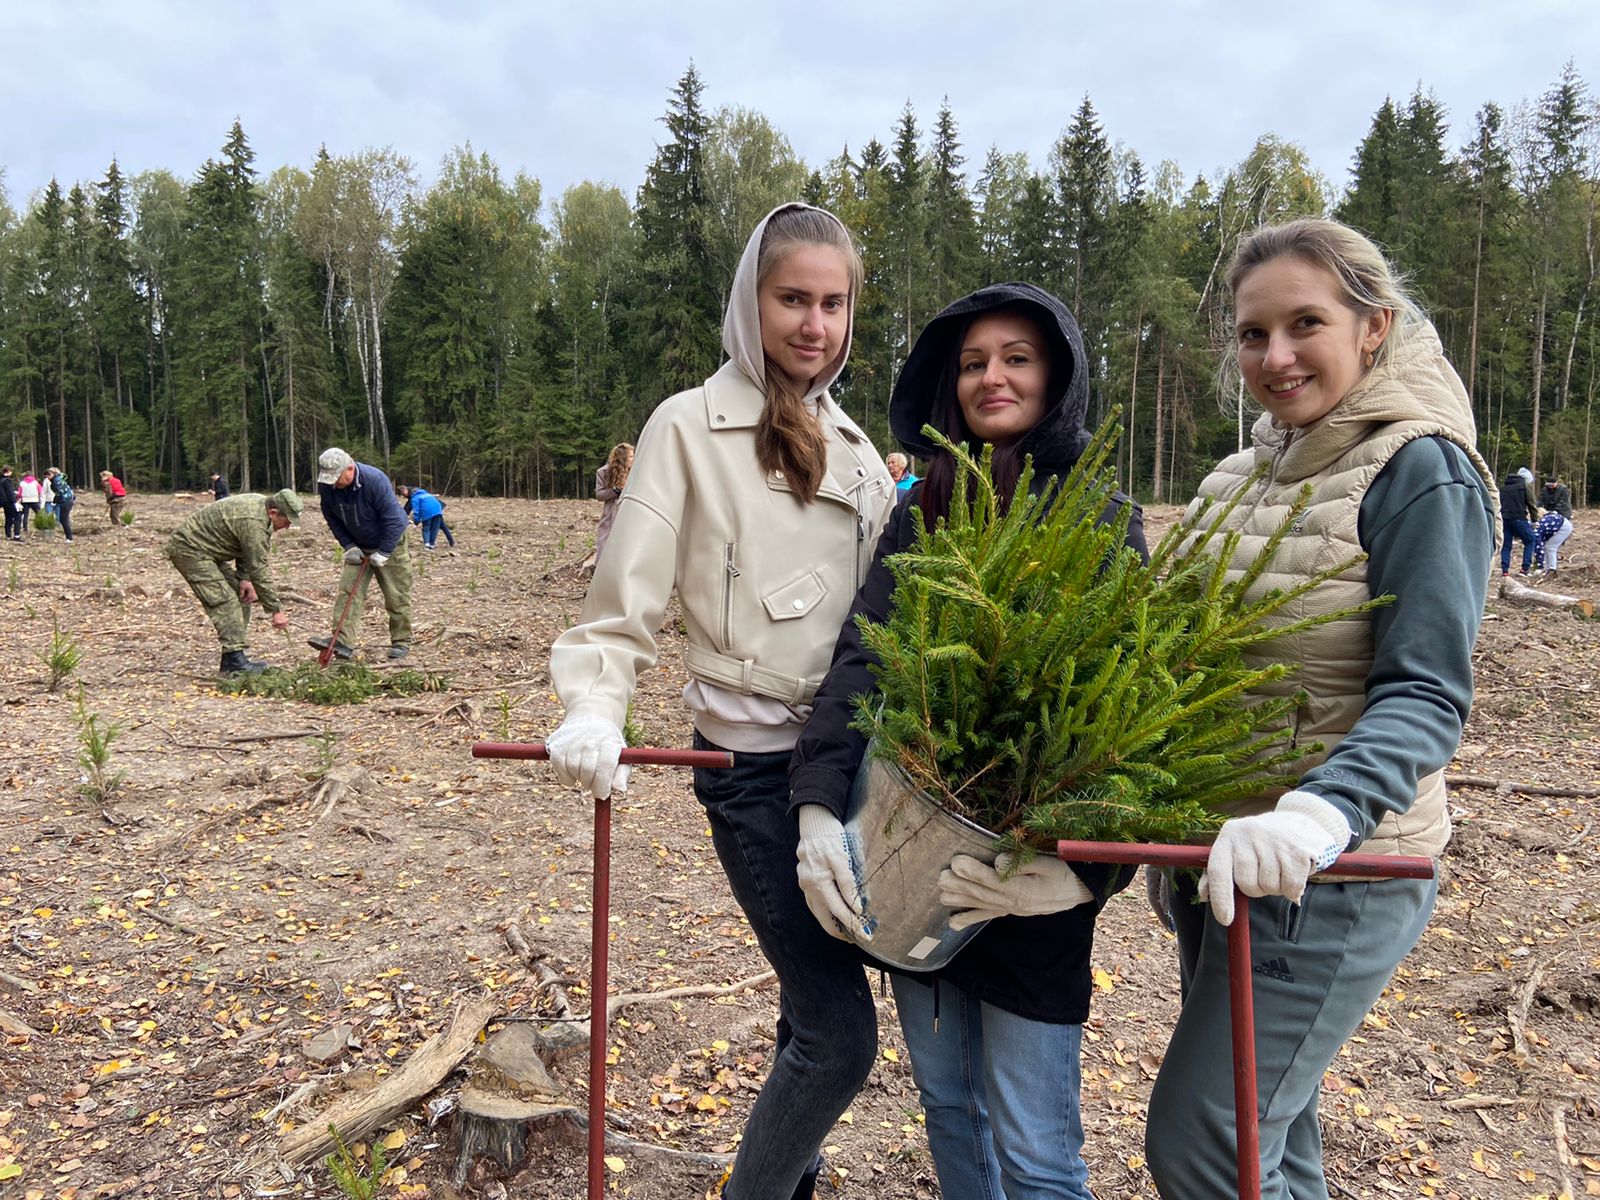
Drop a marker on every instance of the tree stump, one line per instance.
(510, 1099)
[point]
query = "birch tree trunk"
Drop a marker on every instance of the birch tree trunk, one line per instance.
(1583, 299)
(1161, 347)
(1538, 375)
(1477, 274)
(1133, 398)
(374, 312)
(244, 423)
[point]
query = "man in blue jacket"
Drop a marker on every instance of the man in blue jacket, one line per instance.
(359, 505)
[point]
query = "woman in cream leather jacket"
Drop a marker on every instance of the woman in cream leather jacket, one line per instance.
(759, 501)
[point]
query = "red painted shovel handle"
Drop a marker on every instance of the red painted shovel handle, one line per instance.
(634, 755)
(1366, 866)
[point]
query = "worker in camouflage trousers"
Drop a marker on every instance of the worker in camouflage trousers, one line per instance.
(221, 550)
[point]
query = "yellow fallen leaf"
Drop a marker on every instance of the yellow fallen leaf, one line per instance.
(615, 1163)
(394, 1141)
(891, 1054)
(1102, 980)
(10, 1171)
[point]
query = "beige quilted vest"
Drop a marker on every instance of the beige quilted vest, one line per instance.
(1414, 394)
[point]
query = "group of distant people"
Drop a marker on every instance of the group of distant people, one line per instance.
(1542, 536)
(221, 551)
(25, 499)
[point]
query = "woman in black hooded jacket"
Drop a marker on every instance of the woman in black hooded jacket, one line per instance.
(999, 1075)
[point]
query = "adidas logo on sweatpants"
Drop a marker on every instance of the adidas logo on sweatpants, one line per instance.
(1277, 968)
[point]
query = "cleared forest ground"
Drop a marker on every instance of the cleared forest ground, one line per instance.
(187, 953)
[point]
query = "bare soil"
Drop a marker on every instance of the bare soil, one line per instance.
(176, 947)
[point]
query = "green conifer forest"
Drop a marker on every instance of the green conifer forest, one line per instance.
(483, 338)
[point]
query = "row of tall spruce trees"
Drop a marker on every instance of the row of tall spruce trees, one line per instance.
(474, 337)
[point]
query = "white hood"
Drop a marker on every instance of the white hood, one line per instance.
(741, 324)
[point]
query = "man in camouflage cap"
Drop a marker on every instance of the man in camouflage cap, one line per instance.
(221, 550)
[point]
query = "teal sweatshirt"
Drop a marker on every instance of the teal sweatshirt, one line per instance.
(1427, 526)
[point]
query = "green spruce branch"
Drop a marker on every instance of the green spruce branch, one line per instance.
(1039, 679)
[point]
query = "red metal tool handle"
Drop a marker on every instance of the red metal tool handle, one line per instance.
(1366, 866)
(325, 655)
(1241, 996)
(600, 922)
(633, 756)
(599, 1002)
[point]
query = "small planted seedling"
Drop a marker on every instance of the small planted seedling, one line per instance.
(353, 1178)
(504, 706)
(63, 656)
(94, 753)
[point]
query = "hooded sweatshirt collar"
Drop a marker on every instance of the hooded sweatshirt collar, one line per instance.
(741, 324)
(1059, 439)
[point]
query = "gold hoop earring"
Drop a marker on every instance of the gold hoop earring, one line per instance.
(1369, 360)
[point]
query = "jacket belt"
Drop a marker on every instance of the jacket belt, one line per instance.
(748, 677)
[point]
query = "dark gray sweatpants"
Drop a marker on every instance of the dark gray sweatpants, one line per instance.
(1318, 968)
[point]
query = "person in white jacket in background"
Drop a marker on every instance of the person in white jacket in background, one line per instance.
(759, 501)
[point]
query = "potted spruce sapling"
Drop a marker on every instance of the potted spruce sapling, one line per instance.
(1037, 681)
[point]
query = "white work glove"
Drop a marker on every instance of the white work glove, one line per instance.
(377, 558)
(980, 892)
(1273, 853)
(826, 876)
(353, 555)
(585, 751)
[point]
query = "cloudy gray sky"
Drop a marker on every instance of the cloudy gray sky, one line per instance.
(573, 90)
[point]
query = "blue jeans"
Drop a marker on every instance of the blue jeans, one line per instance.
(1000, 1093)
(1517, 527)
(827, 1025)
(1319, 966)
(64, 509)
(430, 530)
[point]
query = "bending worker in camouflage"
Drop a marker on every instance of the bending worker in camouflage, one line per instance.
(221, 550)
(362, 512)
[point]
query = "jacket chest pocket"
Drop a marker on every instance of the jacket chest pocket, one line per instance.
(796, 599)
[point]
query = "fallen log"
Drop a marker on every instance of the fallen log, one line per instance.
(359, 1115)
(1506, 787)
(15, 1025)
(707, 990)
(1515, 591)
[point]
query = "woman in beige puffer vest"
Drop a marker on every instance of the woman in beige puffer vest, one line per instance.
(1362, 407)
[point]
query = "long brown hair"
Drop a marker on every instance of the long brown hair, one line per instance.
(788, 436)
(619, 464)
